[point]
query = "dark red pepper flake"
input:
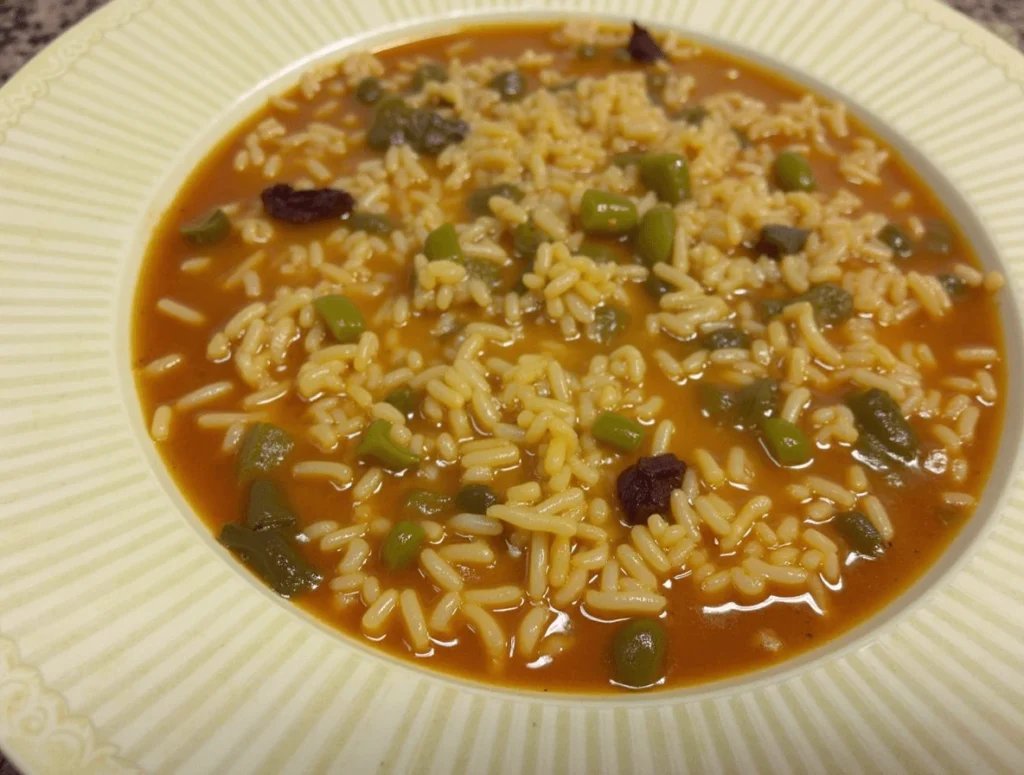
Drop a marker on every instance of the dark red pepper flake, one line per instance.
(284, 203)
(646, 487)
(642, 47)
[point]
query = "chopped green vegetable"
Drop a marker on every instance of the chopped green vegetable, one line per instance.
(897, 239)
(785, 442)
(938, 237)
(627, 158)
(602, 212)
(476, 498)
(207, 230)
(872, 453)
(638, 653)
(655, 286)
(426, 503)
(655, 235)
(428, 132)
(692, 114)
(609, 322)
(716, 403)
(511, 85)
(878, 415)
(777, 240)
(442, 244)
(268, 507)
(953, 285)
(527, 239)
(598, 252)
(859, 533)
(403, 399)
(371, 223)
(428, 71)
(793, 172)
(401, 546)
(273, 558)
(377, 443)
(725, 339)
(618, 431)
(264, 448)
(832, 304)
(482, 269)
(756, 402)
(341, 316)
(770, 308)
(369, 90)
(478, 202)
(586, 51)
(667, 175)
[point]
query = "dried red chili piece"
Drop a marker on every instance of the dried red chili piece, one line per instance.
(642, 47)
(284, 203)
(646, 487)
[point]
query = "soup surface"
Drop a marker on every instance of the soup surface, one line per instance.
(570, 358)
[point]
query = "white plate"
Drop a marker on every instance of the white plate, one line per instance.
(127, 643)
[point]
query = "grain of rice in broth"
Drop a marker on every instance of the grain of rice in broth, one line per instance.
(493, 368)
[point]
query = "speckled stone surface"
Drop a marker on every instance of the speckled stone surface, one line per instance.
(28, 25)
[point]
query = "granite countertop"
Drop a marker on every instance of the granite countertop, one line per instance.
(28, 25)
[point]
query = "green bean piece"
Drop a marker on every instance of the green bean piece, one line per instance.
(742, 138)
(208, 229)
(341, 316)
(777, 241)
(897, 239)
(268, 507)
(404, 399)
(586, 51)
(426, 503)
(602, 212)
(877, 414)
(953, 285)
(443, 244)
(655, 286)
(401, 546)
(638, 653)
(770, 308)
(862, 537)
(369, 90)
(476, 498)
(598, 252)
(627, 158)
(725, 339)
(793, 172)
(371, 223)
(527, 239)
(695, 115)
(272, 558)
(756, 402)
(511, 85)
(482, 269)
(264, 448)
(785, 442)
(716, 403)
(938, 237)
(656, 235)
(377, 443)
(478, 202)
(618, 431)
(832, 304)
(428, 71)
(667, 175)
(609, 322)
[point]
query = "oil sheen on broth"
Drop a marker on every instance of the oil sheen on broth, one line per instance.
(940, 343)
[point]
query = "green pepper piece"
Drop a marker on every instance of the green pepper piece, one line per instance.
(897, 239)
(527, 239)
(341, 316)
(208, 229)
(777, 241)
(478, 202)
(638, 653)
(627, 158)
(598, 252)
(716, 403)
(692, 114)
(785, 442)
(756, 401)
(403, 399)
(938, 237)
(268, 507)
(511, 85)
(369, 90)
(586, 51)
(656, 235)
(953, 285)
(390, 120)
(725, 339)
(401, 546)
(482, 269)
(609, 322)
(443, 244)
(667, 175)
(371, 223)
(377, 443)
(272, 558)
(602, 212)
(832, 304)
(428, 71)
(264, 448)
(872, 453)
(859, 533)
(877, 414)
(656, 287)
(426, 503)
(770, 308)
(476, 498)
(793, 172)
(618, 431)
